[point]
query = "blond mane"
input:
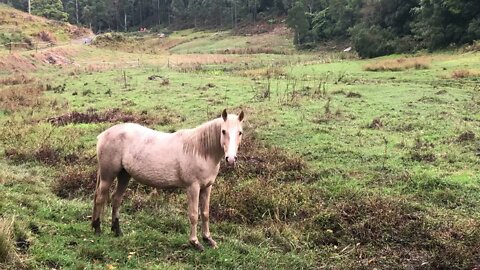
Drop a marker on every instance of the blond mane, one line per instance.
(203, 140)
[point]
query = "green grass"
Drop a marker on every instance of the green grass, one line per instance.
(400, 194)
(18, 26)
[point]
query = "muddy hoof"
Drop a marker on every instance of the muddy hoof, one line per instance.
(210, 242)
(116, 228)
(96, 226)
(197, 245)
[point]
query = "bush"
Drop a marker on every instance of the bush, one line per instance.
(372, 41)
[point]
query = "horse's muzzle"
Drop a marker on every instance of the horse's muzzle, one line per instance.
(231, 161)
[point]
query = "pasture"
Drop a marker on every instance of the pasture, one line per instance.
(345, 164)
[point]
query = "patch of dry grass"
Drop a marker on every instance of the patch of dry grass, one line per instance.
(14, 97)
(270, 72)
(399, 64)
(464, 73)
(16, 78)
(8, 254)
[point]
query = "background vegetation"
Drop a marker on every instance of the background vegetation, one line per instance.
(373, 27)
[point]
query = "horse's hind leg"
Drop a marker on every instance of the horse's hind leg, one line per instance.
(104, 181)
(122, 183)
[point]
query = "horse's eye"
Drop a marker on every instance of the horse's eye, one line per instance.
(240, 133)
(223, 131)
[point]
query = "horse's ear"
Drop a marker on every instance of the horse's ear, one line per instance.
(240, 116)
(224, 114)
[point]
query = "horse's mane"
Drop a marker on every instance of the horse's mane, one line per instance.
(203, 140)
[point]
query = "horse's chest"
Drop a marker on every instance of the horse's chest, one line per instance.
(205, 174)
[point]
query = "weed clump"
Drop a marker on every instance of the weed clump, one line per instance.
(47, 37)
(75, 181)
(376, 123)
(466, 136)
(21, 96)
(353, 95)
(267, 163)
(260, 201)
(422, 151)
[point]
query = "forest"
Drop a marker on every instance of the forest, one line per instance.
(373, 27)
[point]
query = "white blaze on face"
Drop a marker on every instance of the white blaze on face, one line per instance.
(231, 153)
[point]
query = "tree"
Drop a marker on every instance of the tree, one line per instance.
(51, 9)
(297, 20)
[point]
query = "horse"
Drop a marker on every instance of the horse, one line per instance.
(188, 159)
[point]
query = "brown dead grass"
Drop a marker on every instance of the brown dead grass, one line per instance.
(17, 78)
(15, 97)
(399, 64)
(17, 63)
(465, 73)
(201, 59)
(47, 36)
(9, 257)
(112, 116)
(271, 72)
(75, 181)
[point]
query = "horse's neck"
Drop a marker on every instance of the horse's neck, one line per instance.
(204, 141)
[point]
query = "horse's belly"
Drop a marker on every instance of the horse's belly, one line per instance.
(157, 169)
(156, 177)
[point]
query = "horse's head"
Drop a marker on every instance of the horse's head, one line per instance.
(231, 135)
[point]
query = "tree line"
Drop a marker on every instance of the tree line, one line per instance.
(375, 27)
(380, 27)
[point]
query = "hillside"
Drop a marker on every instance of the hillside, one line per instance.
(18, 26)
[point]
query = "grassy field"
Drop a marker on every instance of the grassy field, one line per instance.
(346, 164)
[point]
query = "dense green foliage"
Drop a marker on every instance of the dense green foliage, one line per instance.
(384, 27)
(375, 27)
(52, 9)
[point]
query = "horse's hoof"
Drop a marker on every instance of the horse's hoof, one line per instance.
(197, 245)
(116, 228)
(210, 242)
(96, 226)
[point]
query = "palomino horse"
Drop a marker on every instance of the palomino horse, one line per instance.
(188, 159)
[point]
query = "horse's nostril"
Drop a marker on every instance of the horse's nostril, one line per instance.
(226, 159)
(235, 158)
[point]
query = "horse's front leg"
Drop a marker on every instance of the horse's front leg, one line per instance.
(205, 212)
(192, 195)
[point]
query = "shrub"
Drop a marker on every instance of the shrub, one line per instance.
(75, 181)
(372, 41)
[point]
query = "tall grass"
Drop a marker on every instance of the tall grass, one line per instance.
(8, 254)
(399, 64)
